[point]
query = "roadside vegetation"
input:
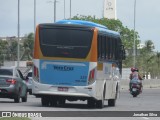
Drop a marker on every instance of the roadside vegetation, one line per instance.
(147, 59)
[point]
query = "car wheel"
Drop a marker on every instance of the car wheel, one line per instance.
(17, 99)
(24, 99)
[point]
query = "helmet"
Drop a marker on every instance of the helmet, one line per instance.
(132, 69)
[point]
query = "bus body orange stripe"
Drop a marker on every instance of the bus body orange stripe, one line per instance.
(93, 55)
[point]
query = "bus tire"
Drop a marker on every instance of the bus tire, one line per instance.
(61, 101)
(111, 102)
(91, 103)
(53, 102)
(100, 103)
(45, 101)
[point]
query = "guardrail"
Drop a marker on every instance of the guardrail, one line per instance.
(147, 83)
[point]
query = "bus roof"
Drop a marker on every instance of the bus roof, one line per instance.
(82, 22)
(100, 27)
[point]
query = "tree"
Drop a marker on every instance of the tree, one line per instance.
(146, 58)
(3, 50)
(12, 51)
(28, 47)
(127, 35)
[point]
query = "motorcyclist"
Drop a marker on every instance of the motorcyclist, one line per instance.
(135, 75)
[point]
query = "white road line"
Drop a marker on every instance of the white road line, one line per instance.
(145, 118)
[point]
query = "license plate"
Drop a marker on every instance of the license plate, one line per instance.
(134, 89)
(65, 89)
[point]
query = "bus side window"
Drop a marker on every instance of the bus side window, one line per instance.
(108, 47)
(103, 47)
(113, 48)
(116, 48)
(99, 47)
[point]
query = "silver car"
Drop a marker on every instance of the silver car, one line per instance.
(12, 84)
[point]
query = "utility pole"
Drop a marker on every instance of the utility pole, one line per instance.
(34, 16)
(55, 11)
(18, 27)
(70, 8)
(134, 46)
(64, 10)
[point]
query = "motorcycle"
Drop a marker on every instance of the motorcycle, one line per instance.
(135, 87)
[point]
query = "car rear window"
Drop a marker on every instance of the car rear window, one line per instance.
(8, 72)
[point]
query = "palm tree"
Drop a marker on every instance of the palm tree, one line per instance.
(149, 46)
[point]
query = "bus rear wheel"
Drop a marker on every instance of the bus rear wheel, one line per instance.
(61, 101)
(53, 102)
(91, 103)
(45, 101)
(100, 103)
(111, 102)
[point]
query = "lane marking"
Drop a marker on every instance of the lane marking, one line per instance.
(145, 118)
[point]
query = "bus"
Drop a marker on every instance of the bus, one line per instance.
(77, 60)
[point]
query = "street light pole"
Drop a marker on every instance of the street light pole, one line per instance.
(134, 46)
(34, 16)
(70, 9)
(54, 8)
(64, 10)
(55, 11)
(18, 54)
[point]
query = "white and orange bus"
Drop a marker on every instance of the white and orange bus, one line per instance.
(76, 60)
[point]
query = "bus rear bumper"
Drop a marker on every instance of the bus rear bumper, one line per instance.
(41, 90)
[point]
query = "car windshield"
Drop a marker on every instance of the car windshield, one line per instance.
(29, 74)
(8, 72)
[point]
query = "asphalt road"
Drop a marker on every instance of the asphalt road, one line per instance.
(147, 102)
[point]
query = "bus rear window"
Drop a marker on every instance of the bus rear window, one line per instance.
(65, 42)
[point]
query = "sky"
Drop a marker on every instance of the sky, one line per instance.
(147, 15)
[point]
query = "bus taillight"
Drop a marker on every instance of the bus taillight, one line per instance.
(91, 76)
